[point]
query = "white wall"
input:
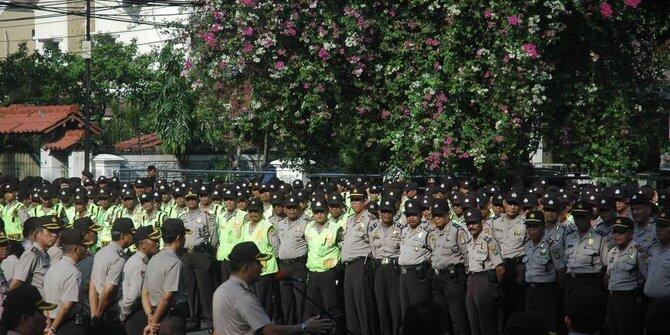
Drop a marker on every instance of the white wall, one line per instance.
(51, 167)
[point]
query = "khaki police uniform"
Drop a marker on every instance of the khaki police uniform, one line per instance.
(359, 274)
(107, 269)
(237, 310)
(385, 243)
(542, 293)
(483, 294)
(415, 270)
(585, 260)
(32, 266)
(511, 234)
(292, 259)
(626, 270)
(196, 264)
(130, 304)
(62, 283)
(163, 275)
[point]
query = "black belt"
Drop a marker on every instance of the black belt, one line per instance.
(450, 269)
(538, 285)
(357, 259)
(386, 261)
(516, 260)
(626, 293)
(300, 259)
(585, 275)
(415, 267)
(202, 247)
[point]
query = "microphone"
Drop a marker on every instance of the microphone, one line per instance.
(282, 275)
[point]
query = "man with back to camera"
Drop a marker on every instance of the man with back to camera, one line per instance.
(236, 308)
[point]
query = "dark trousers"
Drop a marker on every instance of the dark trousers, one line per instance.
(481, 303)
(292, 302)
(449, 290)
(543, 298)
(387, 289)
(322, 287)
(135, 323)
(415, 285)
(198, 283)
(625, 311)
(266, 290)
(359, 300)
(74, 327)
(172, 325)
(513, 292)
(576, 281)
(225, 270)
(109, 323)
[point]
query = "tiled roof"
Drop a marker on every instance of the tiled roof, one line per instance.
(145, 141)
(17, 119)
(70, 138)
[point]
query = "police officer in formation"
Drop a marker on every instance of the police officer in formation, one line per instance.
(146, 257)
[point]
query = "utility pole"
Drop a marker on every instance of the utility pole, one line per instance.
(86, 52)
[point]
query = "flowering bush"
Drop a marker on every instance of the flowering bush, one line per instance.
(430, 85)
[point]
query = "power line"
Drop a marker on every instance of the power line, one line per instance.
(82, 35)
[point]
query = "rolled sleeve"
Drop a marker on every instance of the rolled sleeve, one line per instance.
(25, 266)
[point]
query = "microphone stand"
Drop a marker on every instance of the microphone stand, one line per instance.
(320, 307)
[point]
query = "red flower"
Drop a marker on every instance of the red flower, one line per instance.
(606, 9)
(280, 65)
(531, 50)
(632, 3)
(513, 20)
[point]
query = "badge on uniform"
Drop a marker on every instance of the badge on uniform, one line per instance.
(419, 235)
(591, 241)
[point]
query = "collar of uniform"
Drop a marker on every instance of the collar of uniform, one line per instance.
(69, 260)
(170, 251)
(237, 279)
(115, 245)
(143, 256)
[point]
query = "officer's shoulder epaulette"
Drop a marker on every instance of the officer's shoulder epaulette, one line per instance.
(640, 248)
(598, 232)
(550, 241)
(121, 253)
(569, 230)
(612, 249)
(35, 250)
(457, 225)
(488, 239)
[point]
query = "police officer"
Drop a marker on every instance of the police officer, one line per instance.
(278, 213)
(229, 227)
(106, 277)
(292, 258)
(150, 216)
(510, 232)
(83, 208)
(554, 234)
(542, 294)
(179, 206)
(626, 270)
(47, 206)
(147, 240)
(486, 271)
(606, 216)
(61, 287)
(206, 202)
(415, 271)
(257, 229)
(336, 209)
(197, 261)
(14, 213)
(358, 268)
(109, 211)
(657, 287)
(385, 242)
(237, 309)
(645, 226)
(89, 231)
(130, 208)
(34, 262)
(449, 244)
(161, 287)
(323, 257)
(585, 251)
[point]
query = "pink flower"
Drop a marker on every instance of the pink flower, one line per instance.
(605, 9)
(437, 66)
(188, 64)
(506, 58)
(248, 31)
(499, 138)
(513, 20)
(385, 114)
(248, 3)
(531, 50)
(632, 3)
(488, 14)
(305, 86)
(216, 28)
(209, 38)
(217, 15)
(248, 48)
(280, 65)
(289, 29)
(432, 42)
(323, 54)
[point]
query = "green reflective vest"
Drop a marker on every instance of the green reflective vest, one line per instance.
(92, 211)
(260, 237)
(13, 224)
(229, 231)
(156, 219)
(176, 211)
(106, 219)
(323, 252)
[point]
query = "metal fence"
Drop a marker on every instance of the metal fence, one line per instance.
(20, 165)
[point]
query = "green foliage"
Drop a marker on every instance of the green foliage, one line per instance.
(435, 85)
